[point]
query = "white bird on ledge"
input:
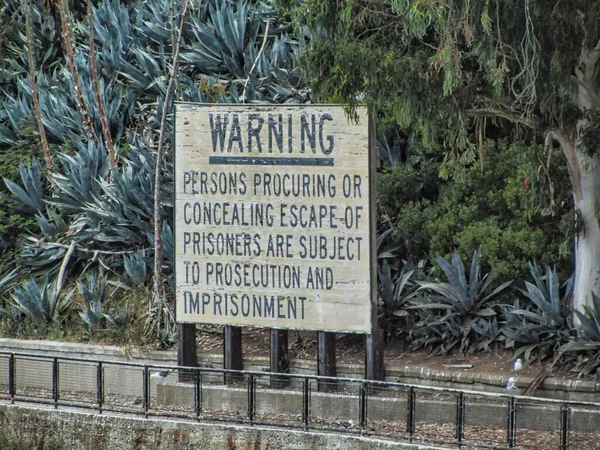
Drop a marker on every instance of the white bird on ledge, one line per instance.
(518, 365)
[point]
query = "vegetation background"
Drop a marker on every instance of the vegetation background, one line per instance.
(477, 213)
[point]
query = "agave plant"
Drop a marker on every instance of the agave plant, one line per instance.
(584, 348)
(387, 245)
(121, 318)
(539, 329)
(31, 195)
(41, 303)
(6, 283)
(8, 279)
(444, 336)
(83, 203)
(454, 312)
(395, 293)
(93, 294)
(78, 182)
(136, 267)
(461, 295)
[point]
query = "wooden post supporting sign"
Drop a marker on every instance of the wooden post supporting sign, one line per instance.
(326, 364)
(186, 349)
(232, 352)
(374, 368)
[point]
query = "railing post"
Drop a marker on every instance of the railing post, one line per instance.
(198, 394)
(410, 419)
(279, 358)
(55, 382)
(564, 426)
(305, 402)
(511, 422)
(146, 391)
(460, 419)
(99, 386)
(251, 398)
(362, 396)
(11, 377)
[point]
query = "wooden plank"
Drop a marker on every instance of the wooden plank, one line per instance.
(272, 217)
(374, 367)
(232, 352)
(187, 350)
(279, 358)
(326, 362)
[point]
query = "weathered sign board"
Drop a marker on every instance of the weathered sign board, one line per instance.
(272, 217)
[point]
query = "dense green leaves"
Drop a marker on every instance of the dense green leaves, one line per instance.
(428, 63)
(515, 208)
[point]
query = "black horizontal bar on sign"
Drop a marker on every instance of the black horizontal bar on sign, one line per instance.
(270, 161)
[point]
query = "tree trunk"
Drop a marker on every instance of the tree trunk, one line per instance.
(587, 240)
(584, 169)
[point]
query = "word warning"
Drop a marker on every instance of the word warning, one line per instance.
(272, 217)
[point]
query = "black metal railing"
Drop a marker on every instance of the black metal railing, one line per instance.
(398, 411)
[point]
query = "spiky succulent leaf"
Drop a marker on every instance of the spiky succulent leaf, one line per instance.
(121, 318)
(31, 195)
(454, 306)
(41, 303)
(136, 265)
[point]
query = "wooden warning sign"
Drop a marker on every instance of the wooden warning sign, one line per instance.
(272, 217)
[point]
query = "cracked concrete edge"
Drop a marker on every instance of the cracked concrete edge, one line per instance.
(394, 372)
(78, 429)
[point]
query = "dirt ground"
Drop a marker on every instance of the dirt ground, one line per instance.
(350, 350)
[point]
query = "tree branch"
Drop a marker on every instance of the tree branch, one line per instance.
(158, 286)
(63, 267)
(570, 152)
(492, 112)
(96, 86)
(68, 46)
(594, 97)
(262, 47)
(34, 92)
(80, 248)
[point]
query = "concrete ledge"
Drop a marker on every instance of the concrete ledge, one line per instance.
(25, 427)
(78, 350)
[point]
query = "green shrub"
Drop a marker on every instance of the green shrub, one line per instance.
(504, 209)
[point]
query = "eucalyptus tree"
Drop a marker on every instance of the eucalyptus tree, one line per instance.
(449, 70)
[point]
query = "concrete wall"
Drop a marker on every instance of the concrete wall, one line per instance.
(123, 385)
(46, 429)
(343, 407)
